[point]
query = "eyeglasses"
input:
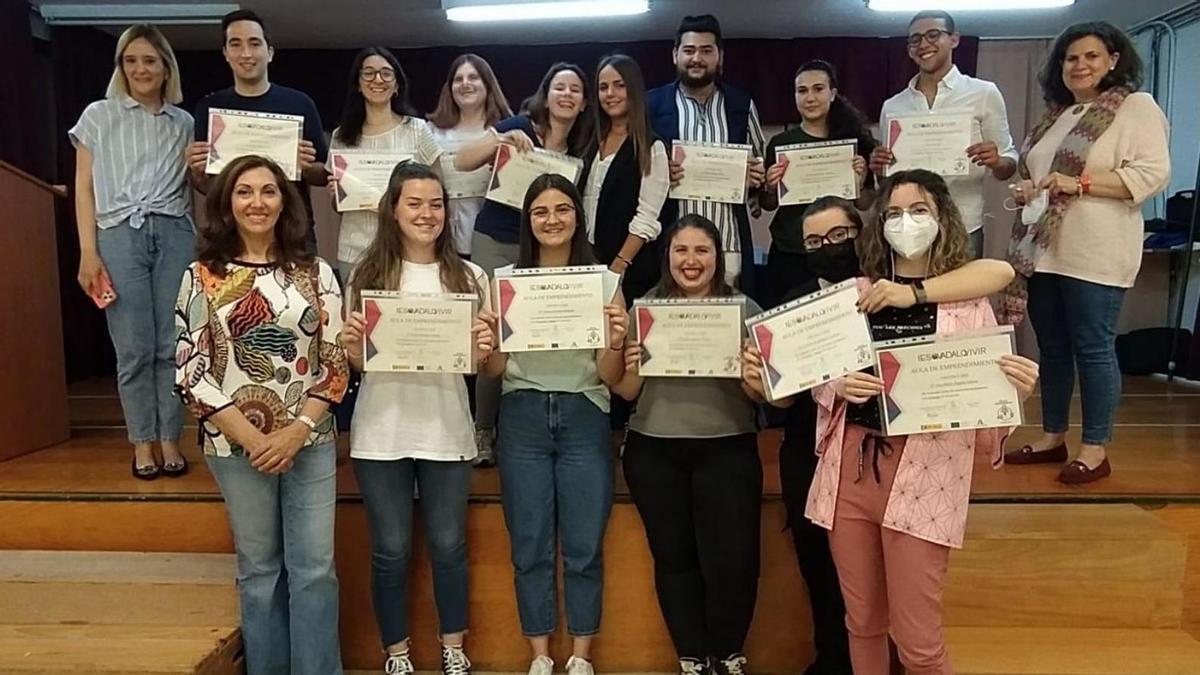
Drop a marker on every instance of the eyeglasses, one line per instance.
(384, 74)
(931, 36)
(838, 235)
(542, 214)
(897, 213)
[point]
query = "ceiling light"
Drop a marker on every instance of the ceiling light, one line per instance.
(963, 5)
(514, 10)
(123, 15)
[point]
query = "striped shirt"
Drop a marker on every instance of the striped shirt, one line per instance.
(138, 166)
(704, 122)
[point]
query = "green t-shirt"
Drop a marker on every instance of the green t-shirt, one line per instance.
(695, 407)
(571, 371)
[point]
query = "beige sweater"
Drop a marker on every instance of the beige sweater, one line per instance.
(1100, 239)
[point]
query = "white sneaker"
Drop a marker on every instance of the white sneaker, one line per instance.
(398, 664)
(578, 666)
(455, 661)
(542, 665)
(485, 444)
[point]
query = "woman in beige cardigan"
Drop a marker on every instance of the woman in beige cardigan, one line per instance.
(1097, 154)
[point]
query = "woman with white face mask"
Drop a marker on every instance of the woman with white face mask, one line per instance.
(855, 493)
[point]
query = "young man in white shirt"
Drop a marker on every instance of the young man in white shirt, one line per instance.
(939, 87)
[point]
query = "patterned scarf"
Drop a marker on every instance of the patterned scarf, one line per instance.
(1029, 242)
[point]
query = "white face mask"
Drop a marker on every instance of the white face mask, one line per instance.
(910, 235)
(1033, 210)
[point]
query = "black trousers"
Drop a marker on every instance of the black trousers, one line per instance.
(797, 464)
(701, 503)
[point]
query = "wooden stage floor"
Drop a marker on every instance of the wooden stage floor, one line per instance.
(1155, 457)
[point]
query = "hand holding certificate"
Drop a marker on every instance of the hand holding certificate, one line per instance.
(552, 308)
(689, 338)
(711, 172)
(816, 170)
(413, 333)
(947, 383)
(937, 143)
(236, 133)
(812, 340)
(513, 171)
(362, 177)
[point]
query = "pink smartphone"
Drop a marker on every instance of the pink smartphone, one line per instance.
(104, 295)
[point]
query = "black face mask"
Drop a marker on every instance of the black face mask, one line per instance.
(833, 262)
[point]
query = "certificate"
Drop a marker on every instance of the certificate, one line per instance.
(236, 133)
(947, 383)
(362, 177)
(812, 340)
(551, 308)
(937, 143)
(514, 171)
(464, 184)
(419, 333)
(816, 170)
(711, 172)
(690, 338)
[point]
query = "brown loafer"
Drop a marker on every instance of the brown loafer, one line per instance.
(1027, 455)
(1078, 473)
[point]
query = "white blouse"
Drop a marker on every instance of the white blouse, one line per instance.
(651, 197)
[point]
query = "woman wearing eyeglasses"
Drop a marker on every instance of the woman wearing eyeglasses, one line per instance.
(377, 116)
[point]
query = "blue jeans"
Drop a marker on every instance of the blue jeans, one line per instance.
(1076, 326)
(146, 266)
(387, 490)
(287, 587)
(556, 474)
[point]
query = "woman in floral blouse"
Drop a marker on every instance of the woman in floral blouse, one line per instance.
(259, 364)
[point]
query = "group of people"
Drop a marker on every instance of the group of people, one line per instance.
(262, 340)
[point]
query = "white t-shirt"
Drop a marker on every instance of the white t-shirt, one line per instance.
(412, 136)
(415, 415)
(464, 210)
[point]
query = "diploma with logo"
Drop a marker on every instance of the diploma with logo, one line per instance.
(362, 176)
(419, 333)
(235, 133)
(464, 184)
(812, 340)
(690, 338)
(712, 172)
(947, 383)
(816, 170)
(935, 142)
(513, 171)
(552, 308)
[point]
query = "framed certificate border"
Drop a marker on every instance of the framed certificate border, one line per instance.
(729, 362)
(511, 191)
(289, 161)
(1001, 408)
(460, 352)
(366, 172)
(948, 165)
(732, 193)
(794, 197)
(592, 335)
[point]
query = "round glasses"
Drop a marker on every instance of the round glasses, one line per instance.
(384, 74)
(931, 36)
(838, 235)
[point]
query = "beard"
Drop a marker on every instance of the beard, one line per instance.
(704, 80)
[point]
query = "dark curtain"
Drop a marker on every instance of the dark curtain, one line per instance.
(870, 69)
(21, 127)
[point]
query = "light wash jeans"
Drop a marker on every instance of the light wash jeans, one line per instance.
(287, 587)
(556, 482)
(146, 266)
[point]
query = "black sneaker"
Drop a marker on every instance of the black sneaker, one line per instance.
(734, 665)
(688, 666)
(455, 661)
(398, 664)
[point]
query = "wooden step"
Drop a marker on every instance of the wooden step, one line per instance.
(1072, 651)
(1094, 565)
(130, 649)
(173, 589)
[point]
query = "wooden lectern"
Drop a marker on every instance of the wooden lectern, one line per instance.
(33, 378)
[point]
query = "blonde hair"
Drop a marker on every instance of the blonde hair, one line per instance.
(172, 91)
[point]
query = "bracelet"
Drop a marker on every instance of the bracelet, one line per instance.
(919, 292)
(307, 421)
(623, 259)
(1085, 184)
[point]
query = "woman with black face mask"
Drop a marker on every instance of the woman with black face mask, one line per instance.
(830, 227)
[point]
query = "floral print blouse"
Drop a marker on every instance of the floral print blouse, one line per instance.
(262, 337)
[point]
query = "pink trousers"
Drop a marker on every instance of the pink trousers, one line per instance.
(892, 582)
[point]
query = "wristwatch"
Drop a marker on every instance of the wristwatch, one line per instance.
(307, 421)
(918, 287)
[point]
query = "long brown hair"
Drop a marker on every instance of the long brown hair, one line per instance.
(220, 243)
(635, 105)
(537, 108)
(667, 288)
(528, 248)
(383, 260)
(495, 108)
(949, 249)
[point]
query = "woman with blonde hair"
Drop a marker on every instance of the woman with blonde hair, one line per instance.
(136, 236)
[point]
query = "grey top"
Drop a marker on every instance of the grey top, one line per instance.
(695, 407)
(572, 371)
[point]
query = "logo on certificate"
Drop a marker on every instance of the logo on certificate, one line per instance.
(1004, 413)
(593, 336)
(460, 360)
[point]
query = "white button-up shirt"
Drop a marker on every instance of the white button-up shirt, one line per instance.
(957, 92)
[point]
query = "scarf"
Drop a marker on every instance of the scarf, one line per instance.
(1029, 242)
